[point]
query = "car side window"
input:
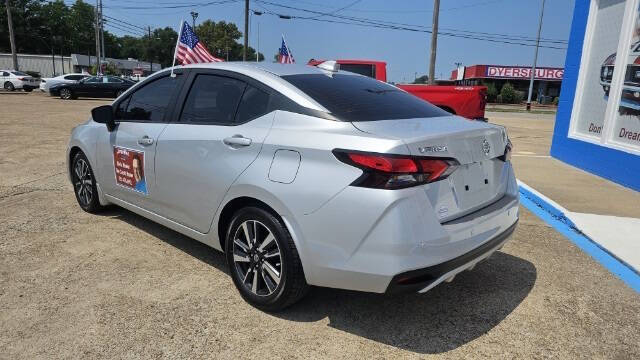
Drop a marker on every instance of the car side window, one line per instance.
(212, 99)
(5, 74)
(73, 77)
(94, 79)
(114, 80)
(150, 102)
(254, 103)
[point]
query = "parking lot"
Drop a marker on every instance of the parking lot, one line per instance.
(75, 285)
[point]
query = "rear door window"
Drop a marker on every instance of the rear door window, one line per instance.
(359, 98)
(212, 99)
(254, 104)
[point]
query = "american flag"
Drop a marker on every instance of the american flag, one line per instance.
(190, 50)
(286, 57)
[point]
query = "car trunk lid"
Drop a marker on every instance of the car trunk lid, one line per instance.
(480, 178)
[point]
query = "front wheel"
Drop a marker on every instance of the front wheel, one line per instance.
(118, 93)
(264, 263)
(9, 86)
(84, 184)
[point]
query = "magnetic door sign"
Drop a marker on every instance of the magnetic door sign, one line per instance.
(129, 169)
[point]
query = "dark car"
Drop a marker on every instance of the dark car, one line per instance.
(94, 86)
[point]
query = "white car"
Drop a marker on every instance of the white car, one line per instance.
(46, 83)
(12, 80)
(302, 175)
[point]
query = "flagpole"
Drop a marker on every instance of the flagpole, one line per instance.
(175, 52)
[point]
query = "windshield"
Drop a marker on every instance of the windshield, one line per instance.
(359, 98)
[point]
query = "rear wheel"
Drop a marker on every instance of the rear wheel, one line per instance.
(84, 184)
(118, 93)
(66, 94)
(9, 86)
(263, 259)
(27, 89)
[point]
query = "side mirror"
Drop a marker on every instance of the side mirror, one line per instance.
(104, 115)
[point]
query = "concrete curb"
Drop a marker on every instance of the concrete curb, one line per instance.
(557, 216)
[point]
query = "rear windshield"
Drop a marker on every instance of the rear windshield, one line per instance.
(19, 73)
(358, 98)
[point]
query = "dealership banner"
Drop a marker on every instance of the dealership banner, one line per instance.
(515, 72)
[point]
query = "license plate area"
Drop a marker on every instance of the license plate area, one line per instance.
(473, 184)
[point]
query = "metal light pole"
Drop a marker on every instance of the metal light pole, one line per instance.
(194, 16)
(434, 41)
(12, 39)
(535, 59)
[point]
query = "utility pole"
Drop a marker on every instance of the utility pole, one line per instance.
(12, 39)
(149, 48)
(434, 41)
(194, 16)
(246, 30)
(258, 42)
(535, 59)
(98, 58)
(102, 52)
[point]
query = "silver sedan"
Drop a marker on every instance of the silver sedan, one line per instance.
(302, 176)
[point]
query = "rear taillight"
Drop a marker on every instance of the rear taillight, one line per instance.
(507, 152)
(384, 171)
(21, 78)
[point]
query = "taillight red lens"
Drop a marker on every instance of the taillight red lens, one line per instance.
(383, 163)
(396, 172)
(436, 168)
(20, 78)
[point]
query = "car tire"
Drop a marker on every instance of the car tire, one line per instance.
(66, 94)
(265, 267)
(28, 90)
(118, 93)
(84, 184)
(9, 86)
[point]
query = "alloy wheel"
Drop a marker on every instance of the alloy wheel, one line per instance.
(65, 94)
(83, 182)
(257, 258)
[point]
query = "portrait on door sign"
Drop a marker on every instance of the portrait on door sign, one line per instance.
(129, 169)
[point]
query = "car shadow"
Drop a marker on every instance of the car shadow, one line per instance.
(448, 316)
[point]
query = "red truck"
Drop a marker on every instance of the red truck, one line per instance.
(466, 101)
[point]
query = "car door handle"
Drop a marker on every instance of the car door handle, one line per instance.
(145, 141)
(237, 140)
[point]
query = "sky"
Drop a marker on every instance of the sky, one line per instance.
(406, 52)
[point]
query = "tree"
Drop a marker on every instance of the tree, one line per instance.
(221, 39)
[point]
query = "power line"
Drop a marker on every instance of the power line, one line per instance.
(348, 20)
(125, 23)
(195, 5)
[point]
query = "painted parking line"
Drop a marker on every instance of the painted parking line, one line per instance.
(531, 156)
(554, 215)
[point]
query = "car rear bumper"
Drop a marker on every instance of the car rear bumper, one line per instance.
(364, 239)
(422, 280)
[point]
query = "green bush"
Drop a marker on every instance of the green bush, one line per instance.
(555, 101)
(499, 99)
(492, 92)
(509, 94)
(519, 97)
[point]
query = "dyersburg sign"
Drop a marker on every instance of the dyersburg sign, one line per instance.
(515, 72)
